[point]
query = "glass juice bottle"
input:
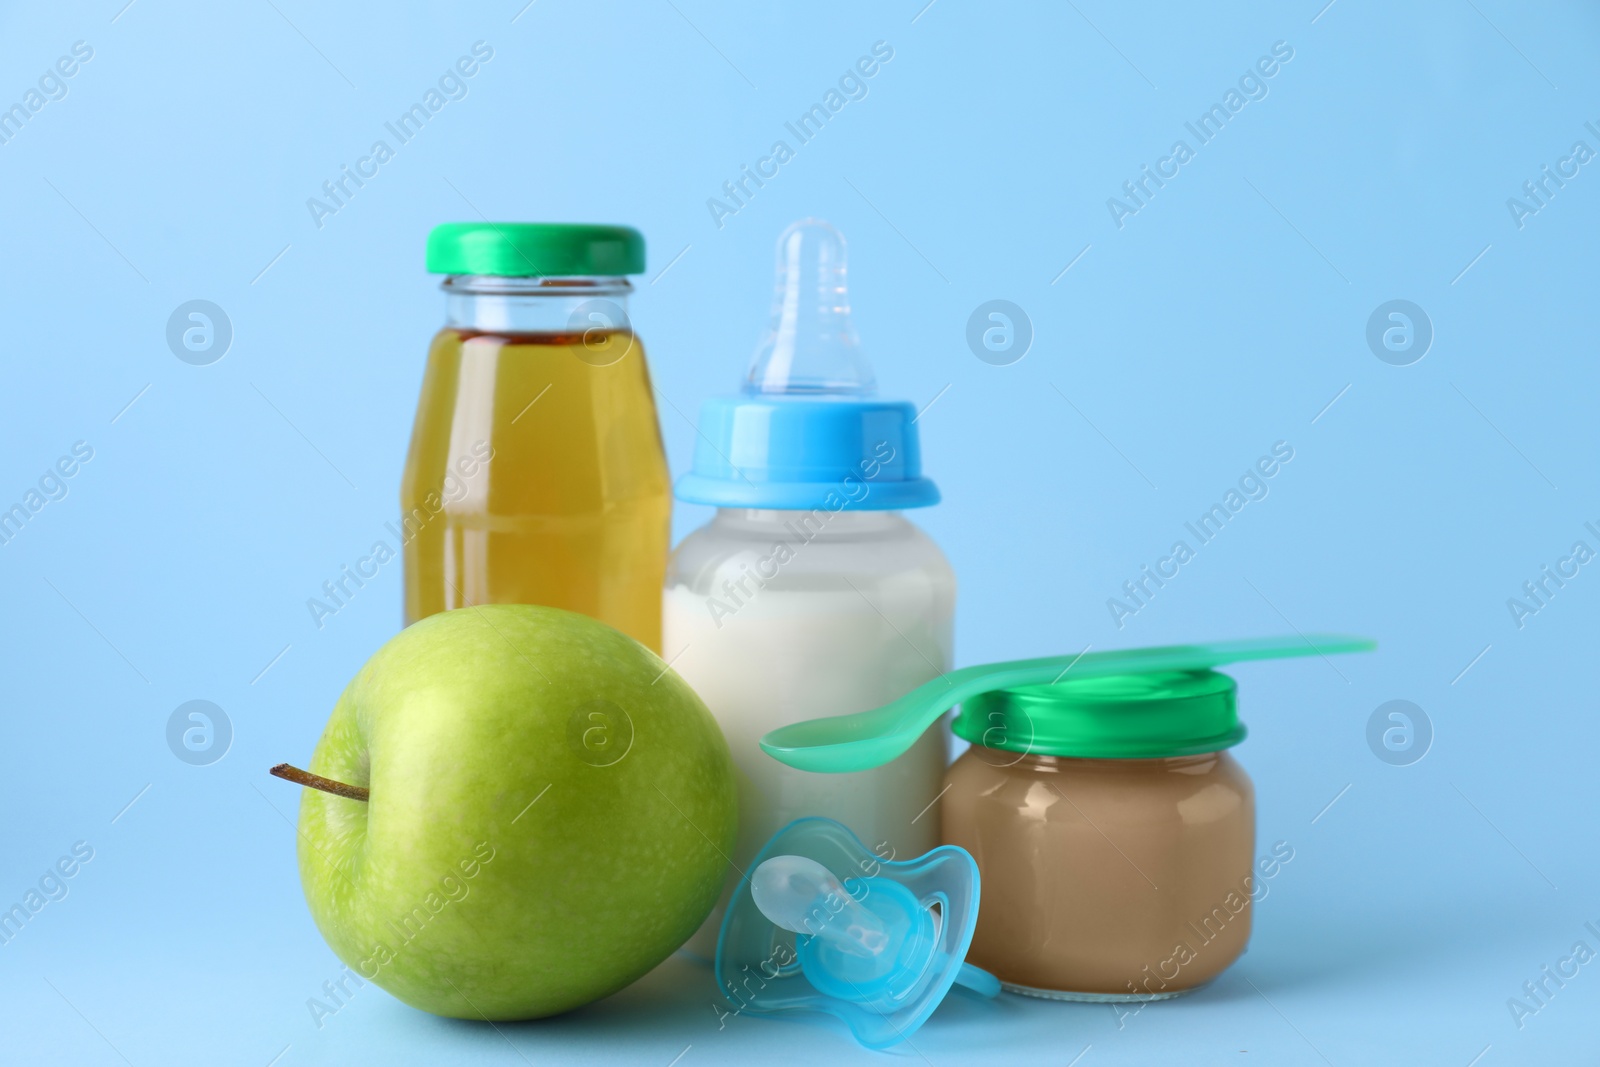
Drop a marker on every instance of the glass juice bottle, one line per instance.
(536, 473)
(809, 594)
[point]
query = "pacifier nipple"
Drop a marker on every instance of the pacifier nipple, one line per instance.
(810, 346)
(804, 897)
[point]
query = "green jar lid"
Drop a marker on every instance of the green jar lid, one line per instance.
(1119, 716)
(534, 249)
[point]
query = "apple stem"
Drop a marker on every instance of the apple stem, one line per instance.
(316, 781)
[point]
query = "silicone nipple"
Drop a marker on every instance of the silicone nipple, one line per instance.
(804, 897)
(810, 346)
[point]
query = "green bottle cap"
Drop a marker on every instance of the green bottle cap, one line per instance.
(1117, 716)
(534, 249)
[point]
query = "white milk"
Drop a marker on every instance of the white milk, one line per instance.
(853, 612)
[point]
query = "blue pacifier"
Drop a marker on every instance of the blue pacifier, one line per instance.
(821, 924)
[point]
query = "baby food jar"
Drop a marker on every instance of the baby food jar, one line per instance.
(536, 473)
(1114, 833)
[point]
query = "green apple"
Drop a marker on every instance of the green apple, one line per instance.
(549, 814)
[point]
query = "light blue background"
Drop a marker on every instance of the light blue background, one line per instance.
(1223, 317)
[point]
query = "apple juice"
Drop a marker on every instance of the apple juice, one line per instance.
(567, 502)
(536, 473)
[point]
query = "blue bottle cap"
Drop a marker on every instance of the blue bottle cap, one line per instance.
(806, 431)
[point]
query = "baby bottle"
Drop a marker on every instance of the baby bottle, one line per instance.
(536, 473)
(809, 594)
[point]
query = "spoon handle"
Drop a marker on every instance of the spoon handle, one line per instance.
(942, 694)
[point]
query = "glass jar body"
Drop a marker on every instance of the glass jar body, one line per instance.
(536, 472)
(1105, 879)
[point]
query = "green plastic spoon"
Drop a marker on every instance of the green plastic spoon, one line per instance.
(872, 738)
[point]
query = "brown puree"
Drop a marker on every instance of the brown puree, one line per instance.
(1105, 878)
